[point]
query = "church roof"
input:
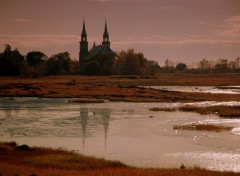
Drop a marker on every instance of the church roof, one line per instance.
(97, 50)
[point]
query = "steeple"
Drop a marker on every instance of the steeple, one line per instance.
(106, 35)
(83, 48)
(84, 33)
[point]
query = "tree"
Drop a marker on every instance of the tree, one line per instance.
(221, 66)
(10, 62)
(93, 68)
(35, 58)
(105, 62)
(131, 63)
(181, 67)
(59, 64)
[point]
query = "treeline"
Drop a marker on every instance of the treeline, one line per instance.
(36, 63)
(203, 66)
(122, 63)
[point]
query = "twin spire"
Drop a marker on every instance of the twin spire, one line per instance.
(84, 33)
(105, 34)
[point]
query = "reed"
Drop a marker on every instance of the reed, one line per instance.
(45, 162)
(203, 127)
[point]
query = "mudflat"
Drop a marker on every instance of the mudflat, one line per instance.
(119, 88)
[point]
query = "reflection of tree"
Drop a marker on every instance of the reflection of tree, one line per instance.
(101, 117)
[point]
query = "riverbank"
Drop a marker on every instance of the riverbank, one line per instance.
(119, 88)
(22, 160)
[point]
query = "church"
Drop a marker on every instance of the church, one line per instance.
(85, 55)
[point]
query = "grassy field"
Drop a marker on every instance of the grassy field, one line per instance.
(221, 111)
(46, 162)
(118, 88)
(203, 127)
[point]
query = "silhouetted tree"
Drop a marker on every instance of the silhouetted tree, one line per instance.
(131, 63)
(105, 62)
(93, 68)
(10, 62)
(181, 67)
(35, 58)
(59, 64)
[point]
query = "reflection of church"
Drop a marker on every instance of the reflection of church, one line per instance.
(101, 117)
(86, 55)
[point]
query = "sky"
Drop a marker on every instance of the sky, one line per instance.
(179, 30)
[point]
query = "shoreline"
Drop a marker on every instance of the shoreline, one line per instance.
(118, 89)
(25, 160)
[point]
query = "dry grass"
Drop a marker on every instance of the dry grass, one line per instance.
(117, 88)
(203, 127)
(45, 162)
(163, 109)
(222, 111)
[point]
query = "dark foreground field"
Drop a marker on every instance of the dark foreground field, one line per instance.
(44, 162)
(118, 88)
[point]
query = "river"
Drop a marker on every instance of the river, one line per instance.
(122, 131)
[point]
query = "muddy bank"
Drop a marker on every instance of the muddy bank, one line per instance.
(116, 88)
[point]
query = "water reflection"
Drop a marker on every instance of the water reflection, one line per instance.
(101, 116)
(120, 131)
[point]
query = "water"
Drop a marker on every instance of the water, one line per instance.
(202, 89)
(128, 132)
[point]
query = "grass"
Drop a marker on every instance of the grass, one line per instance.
(45, 162)
(118, 88)
(221, 111)
(203, 127)
(163, 109)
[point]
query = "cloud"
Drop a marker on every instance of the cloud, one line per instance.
(23, 20)
(43, 42)
(230, 27)
(39, 40)
(102, 0)
(175, 42)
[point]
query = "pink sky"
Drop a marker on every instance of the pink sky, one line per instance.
(183, 30)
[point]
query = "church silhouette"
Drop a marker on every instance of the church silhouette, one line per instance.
(86, 55)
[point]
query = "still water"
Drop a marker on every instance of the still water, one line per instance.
(128, 132)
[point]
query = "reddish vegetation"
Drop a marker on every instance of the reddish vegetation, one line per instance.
(45, 162)
(203, 127)
(117, 88)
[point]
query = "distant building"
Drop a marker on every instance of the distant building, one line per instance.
(86, 55)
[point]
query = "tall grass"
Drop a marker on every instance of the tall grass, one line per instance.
(48, 162)
(222, 111)
(203, 127)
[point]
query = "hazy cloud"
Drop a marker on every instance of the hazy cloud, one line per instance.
(174, 42)
(43, 42)
(230, 27)
(22, 20)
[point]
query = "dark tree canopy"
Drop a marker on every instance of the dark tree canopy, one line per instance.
(93, 68)
(105, 62)
(181, 67)
(59, 64)
(10, 62)
(35, 58)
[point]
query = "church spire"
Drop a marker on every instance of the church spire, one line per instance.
(106, 35)
(84, 33)
(83, 48)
